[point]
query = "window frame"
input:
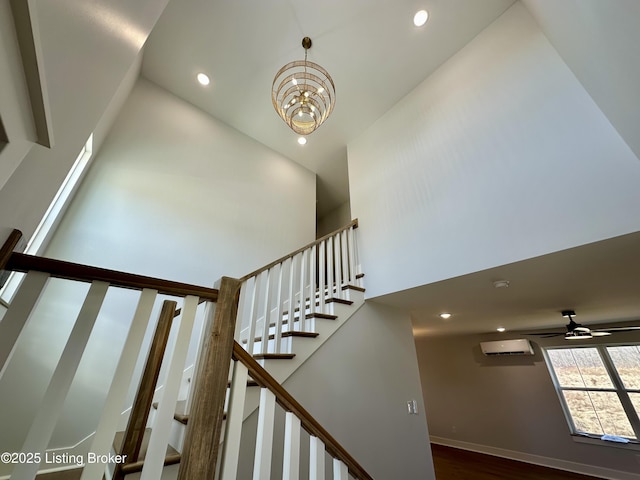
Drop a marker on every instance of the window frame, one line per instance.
(50, 220)
(618, 387)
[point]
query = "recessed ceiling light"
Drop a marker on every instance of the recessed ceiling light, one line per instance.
(302, 140)
(445, 315)
(203, 79)
(420, 18)
(501, 329)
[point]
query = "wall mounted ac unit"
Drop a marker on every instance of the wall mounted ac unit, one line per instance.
(507, 347)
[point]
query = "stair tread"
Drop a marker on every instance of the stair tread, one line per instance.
(184, 417)
(170, 459)
(295, 333)
(172, 456)
(339, 300)
(274, 356)
(250, 383)
(324, 316)
(288, 333)
(353, 287)
(180, 417)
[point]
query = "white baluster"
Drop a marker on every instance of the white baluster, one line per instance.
(157, 450)
(233, 425)
(356, 257)
(352, 264)
(303, 296)
(53, 400)
(264, 436)
(330, 265)
(107, 426)
(316, 458)
(242, 322)
(253, 313)
(338, 260)
(266, 312)
(312, 280)
(277, 338)
(291, 461)
(345, 258)
(340, 470)
(291, 296)
(18, 314)
(204, 333)
(322, 272)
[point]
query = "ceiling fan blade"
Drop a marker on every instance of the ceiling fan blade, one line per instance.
(546, 334)
(616, 329)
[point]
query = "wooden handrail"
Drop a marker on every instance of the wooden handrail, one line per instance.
(354, 224)
(74, 271)
(310, 424)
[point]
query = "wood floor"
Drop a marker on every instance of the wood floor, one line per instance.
(455, 464)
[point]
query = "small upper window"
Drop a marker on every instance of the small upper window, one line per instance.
(40, 238)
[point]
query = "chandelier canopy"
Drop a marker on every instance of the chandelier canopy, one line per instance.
(303, 94)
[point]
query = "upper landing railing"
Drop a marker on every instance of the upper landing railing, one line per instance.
(284, 297)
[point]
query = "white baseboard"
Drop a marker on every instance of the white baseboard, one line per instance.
(599, 472)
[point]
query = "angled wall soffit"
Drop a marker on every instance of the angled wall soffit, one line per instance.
(28, 33)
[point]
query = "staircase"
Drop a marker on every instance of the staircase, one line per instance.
(267, 324)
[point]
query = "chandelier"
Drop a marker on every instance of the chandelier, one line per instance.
(303, 94)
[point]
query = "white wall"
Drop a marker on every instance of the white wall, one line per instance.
(87, 50)
(357, 386)
(15, 109)
(599, 42)
(507, 406)
(499, 156)
(333, 220)
(175, 194)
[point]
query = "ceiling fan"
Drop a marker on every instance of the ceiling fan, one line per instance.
(576, 331)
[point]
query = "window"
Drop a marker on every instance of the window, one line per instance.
(599, 387)
(38, 242)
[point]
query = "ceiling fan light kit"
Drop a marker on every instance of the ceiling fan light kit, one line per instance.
(575, 331)
(303, 94)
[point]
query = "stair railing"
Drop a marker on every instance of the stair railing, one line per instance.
(283, 297)
(38, 272)
(324, 269)
(296, 418)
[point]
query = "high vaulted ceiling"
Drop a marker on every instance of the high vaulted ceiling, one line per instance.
(371, 48)
(376, 56)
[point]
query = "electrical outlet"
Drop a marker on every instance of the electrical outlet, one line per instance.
(454, 429)
(412, 407)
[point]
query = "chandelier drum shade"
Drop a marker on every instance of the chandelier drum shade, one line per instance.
(303, 94)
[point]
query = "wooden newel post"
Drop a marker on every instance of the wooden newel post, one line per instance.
(202, 439)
